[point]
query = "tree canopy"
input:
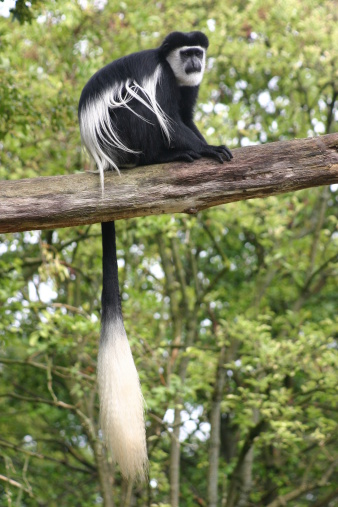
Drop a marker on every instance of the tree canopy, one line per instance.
(231, 314)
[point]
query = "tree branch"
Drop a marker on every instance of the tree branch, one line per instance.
(16, 484)
(255, 171)
(237, 486)
(44, 457)
(54, 403)
(305, 487)
(59, 371)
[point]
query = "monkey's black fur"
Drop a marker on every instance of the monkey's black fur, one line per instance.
(143, 134)
(138, 110)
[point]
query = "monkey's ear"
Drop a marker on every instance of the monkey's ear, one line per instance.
(164, 49)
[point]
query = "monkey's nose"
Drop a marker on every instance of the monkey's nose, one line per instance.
(193, 66)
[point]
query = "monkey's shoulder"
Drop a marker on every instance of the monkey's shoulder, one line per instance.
(133, 67)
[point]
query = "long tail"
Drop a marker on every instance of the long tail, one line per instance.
(121, 401)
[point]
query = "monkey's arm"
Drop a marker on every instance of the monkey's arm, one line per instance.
(188, 145)
(190, 124)
(208, 149)
(188, 98)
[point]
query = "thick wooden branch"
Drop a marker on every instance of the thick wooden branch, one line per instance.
(255, 171)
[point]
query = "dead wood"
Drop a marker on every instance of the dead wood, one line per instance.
(255, 171)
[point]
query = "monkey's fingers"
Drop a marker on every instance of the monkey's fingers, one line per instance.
(211, 152)
(194, 154)
(225, 151)
(189, 156)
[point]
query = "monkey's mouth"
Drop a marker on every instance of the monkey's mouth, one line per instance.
(192, 70)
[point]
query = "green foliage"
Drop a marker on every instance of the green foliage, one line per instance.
(246, 290)
(24, 11)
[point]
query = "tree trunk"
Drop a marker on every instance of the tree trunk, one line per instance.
(240, 482)
(175, 453)
(104, 473)
(215, 441)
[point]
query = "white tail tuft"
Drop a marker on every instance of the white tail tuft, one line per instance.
(121, 402)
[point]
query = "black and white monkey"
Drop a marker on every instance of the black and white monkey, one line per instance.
(138, 110)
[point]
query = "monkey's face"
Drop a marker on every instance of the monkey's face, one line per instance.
(188, 64)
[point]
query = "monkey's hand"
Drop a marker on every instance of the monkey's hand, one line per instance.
(189, 156)
(217, 152)
(174, 155)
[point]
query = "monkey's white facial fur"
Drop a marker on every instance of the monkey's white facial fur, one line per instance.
(188, 64)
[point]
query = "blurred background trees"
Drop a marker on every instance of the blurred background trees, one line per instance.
(232, 315)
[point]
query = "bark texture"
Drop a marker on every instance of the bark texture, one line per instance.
(255, 171)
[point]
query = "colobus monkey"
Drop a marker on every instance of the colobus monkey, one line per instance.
(138, 110)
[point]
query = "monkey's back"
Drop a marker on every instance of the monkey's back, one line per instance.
(133, 67)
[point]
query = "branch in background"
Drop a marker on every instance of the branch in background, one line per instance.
(16, 484)
(44, 457)
(237, 481)
(305, 487)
